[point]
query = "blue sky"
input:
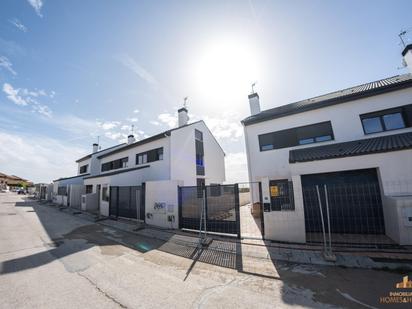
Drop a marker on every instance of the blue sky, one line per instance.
(74, 70)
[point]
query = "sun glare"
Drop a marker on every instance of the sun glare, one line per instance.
(226, 69)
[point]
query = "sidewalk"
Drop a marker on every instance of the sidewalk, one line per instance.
(225, 251)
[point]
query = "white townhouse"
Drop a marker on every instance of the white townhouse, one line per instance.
(357, 142)
(131, 175)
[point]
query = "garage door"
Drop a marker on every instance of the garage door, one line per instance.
(354, 199)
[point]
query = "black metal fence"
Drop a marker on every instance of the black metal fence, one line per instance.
(221, 204)
(127, 202)
(344, 214)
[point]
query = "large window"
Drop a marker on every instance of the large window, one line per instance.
(387, 120)
(200, 152)
(315, 133)
(83, 169)
(116, 164)
(149, 156)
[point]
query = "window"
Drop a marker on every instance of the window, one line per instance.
(116, 164)
(198, 135)
(149, 156)
(83, 169)
(200, 185)
(200, 164)
(105, 193)
(281, 195)
(89, 189)
(387, 120)
(62, 191)
(315, 133)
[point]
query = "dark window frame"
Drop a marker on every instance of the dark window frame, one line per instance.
(83, 169)
(89, 189)
(402, 110)
(292, 137)
(283, 202)
(153, 155)
(114, 165)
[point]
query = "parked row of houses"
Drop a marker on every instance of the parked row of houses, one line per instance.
(8, 182)
(129, 174)
(337, 154)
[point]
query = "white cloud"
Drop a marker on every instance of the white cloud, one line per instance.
(155, 123)
(168, 119)
(132, 119)
(18, 24)
(34, 157)
(37, 5)
(7, 65)
(132, 64)
(42, 109)
(236, 167)
(226, 127)
(24, 97)
(136, 111)
(108, 125)
(13, 95)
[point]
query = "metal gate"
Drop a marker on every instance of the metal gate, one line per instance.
(127, 202)
(221, 208)
(353, 199)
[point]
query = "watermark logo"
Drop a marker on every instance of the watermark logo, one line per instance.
(401, 295)
(405, 284)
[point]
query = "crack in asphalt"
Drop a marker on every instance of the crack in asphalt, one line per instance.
(208, 292)
(101, 291)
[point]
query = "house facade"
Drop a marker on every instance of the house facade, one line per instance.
(188, 155)
(352, 138)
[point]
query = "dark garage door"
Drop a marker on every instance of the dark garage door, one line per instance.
(127, 202)
(354, 198)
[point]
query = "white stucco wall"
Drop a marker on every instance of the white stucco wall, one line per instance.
(159, 170)
(165, 192)
(183, 156)
(346, 126)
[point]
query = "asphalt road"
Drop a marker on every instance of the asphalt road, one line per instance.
(50, 259)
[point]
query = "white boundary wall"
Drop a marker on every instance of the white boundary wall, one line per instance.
(162, 202)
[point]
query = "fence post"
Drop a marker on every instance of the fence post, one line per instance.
(321, 217)
(328, 217)
(237, 210)
(262, 215)
(179, 206)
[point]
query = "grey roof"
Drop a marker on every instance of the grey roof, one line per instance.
(379, 144)
(71, 177)
(369, 89)
(90, 155)
(118, 172)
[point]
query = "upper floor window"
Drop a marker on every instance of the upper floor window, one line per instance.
(149, 156)
(198, 135)
(115, 164)
(83, 169)
(387, 120)
(314, 133)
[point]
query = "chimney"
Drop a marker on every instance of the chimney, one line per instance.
(95, 147)
(407, 56)
(254, 103)
(130, 139)
(183, 118)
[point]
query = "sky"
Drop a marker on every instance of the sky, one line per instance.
(75, 71)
